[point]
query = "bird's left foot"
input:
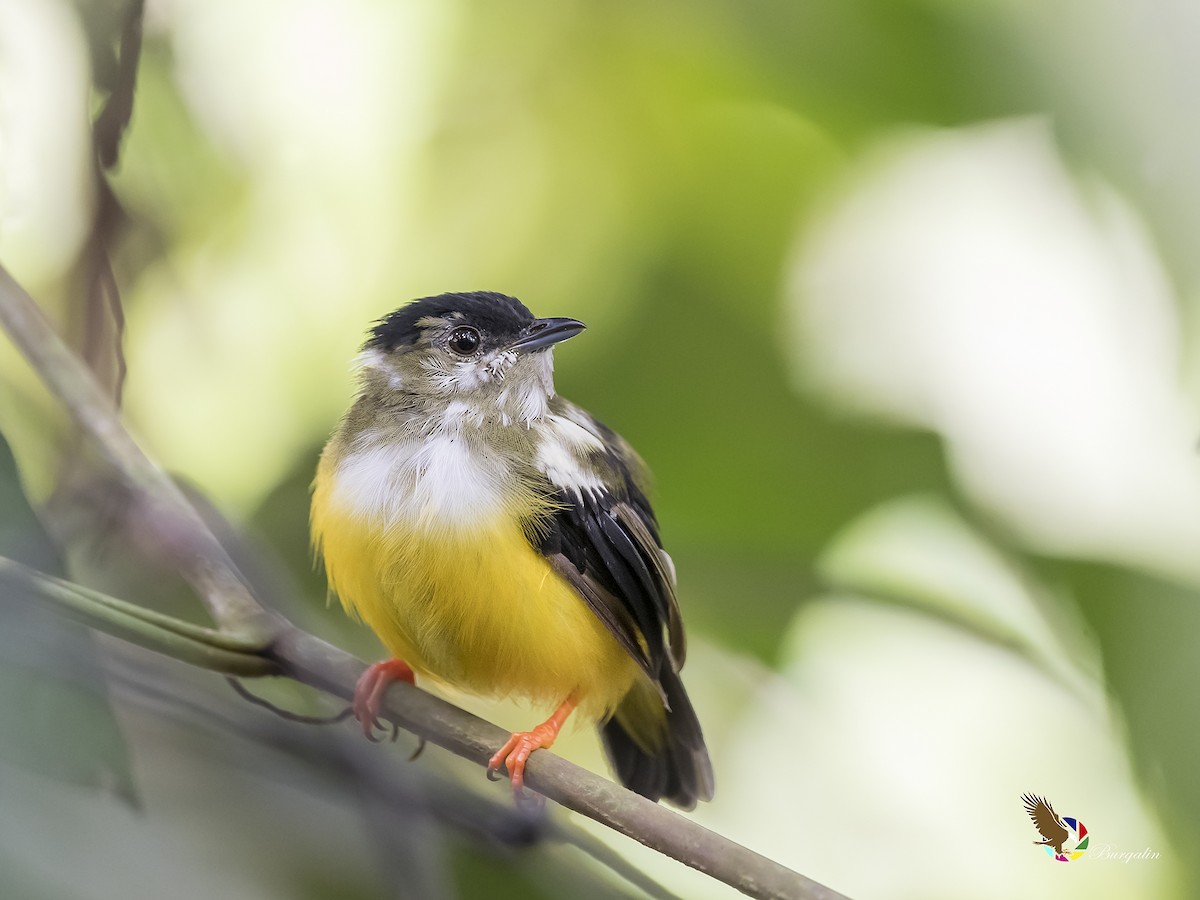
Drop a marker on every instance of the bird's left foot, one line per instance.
(369, 691)
(517, 749)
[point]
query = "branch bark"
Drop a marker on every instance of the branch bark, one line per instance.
(252, 636)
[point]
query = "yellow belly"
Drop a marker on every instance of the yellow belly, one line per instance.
(477, 608)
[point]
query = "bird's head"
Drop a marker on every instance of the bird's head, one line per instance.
(475, 356)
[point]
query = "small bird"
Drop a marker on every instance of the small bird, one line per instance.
(1045, 819)
(497, 538)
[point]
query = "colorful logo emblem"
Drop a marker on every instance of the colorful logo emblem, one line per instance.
(1064, 838)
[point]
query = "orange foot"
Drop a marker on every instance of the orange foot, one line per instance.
(369, 691)
(516, 750)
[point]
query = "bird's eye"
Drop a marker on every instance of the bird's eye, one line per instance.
(464, 340)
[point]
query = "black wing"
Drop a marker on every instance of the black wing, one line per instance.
(603, 538)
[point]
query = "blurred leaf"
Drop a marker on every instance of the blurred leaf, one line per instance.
(55, 716)
(918, 552)
(1147, 629)
(863, 64)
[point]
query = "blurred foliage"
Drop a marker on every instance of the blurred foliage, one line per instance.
(295, 170)
(1146, 628)
(55, 716)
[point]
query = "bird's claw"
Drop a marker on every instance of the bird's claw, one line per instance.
(520, 745)
(515, 753)
(369, 691)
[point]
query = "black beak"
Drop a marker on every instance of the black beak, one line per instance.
(543, 333)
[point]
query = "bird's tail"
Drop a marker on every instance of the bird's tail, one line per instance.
(659, 753)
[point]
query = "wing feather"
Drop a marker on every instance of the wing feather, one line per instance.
(664, 573)
(601, 535)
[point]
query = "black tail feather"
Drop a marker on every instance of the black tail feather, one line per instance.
(680, 772)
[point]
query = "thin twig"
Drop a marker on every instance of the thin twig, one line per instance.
(193, 644)
(307, 658)
(108, 130)
(110, 125)
(286, 714)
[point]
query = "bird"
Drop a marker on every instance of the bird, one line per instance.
(498, 539)
(1052, 829)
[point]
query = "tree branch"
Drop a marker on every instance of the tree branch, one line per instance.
(250, 631)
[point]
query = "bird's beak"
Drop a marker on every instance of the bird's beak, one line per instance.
(543, 333)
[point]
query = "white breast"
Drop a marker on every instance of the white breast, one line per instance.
(439, 482)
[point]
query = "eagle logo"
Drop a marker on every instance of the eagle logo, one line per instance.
(1066, 835)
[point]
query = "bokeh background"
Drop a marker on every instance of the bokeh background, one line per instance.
(898, 298)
